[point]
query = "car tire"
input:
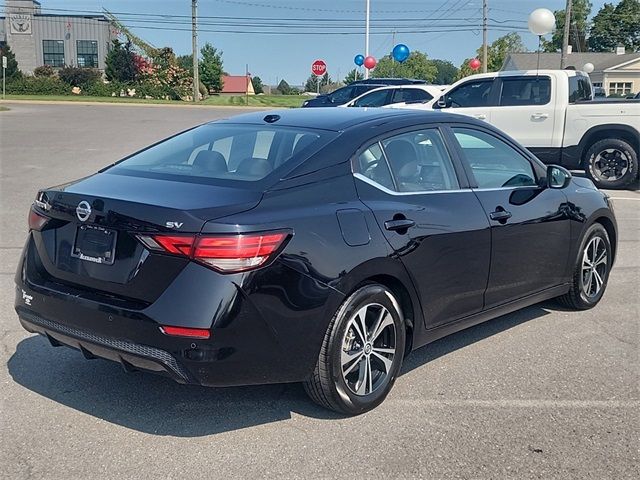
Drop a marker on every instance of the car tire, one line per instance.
(611, 156)
(354, 374)
(591, 270)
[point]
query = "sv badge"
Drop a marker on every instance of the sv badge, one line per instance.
(174, 224)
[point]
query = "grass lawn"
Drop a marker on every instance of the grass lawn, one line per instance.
(275, 101)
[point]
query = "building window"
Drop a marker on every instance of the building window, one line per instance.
(53, 51)
(596, 84)
(87, 53)
(620, 88)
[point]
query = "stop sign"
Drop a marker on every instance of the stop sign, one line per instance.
(318, 68)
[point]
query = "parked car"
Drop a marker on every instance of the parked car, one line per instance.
(552, 113)
(396, 94)
(308, 246)
(355, 89)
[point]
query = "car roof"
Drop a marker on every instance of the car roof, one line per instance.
(340, 119)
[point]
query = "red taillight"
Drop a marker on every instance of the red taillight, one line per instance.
(37, 221)
(225, 253)
(185, 332)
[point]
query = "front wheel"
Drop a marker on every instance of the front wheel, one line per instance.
(591, 270)
(611, 163)
(361, 353)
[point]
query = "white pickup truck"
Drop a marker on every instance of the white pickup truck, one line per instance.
(551, 112)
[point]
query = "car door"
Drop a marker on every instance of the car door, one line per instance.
(527, 110)
(529, 228)
(435, 224)
(474, 98)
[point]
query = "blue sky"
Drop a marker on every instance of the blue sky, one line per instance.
(333, 30)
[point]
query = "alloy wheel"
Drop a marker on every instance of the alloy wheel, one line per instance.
(594, 267)
(368, 349)
(610, 164)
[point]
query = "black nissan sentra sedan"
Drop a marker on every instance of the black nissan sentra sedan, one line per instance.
(310, 245)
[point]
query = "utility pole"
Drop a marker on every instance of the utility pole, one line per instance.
(366, 39)
(485, 20)
(565, 37)
(194, 48)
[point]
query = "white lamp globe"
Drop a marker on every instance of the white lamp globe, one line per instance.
(588, 67)
(542, 21)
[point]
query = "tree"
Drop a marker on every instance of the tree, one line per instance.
(447, 72)
(284, 88)
(580, 11)
(613, 26)
(13, 73)
(352, 76)
(121, 62)
(211, 67)
(416, 66)
(186, 62)
(258, 87)
(311, 85)
(497, 51)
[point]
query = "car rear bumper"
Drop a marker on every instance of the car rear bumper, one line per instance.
(131, 356)
(258, 334)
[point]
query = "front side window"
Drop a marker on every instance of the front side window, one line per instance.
(87, 53)
(420, 162)
(471, 94)
(224, 152)
(373, 99)
(525, 91)
(53, 52)
(494, 163)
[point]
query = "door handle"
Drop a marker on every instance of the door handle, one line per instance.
(539, 116)
(500, 215)
(480, 116)
(400, 224)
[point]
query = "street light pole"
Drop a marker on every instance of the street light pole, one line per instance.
(565, 37)
(194, 47)
(485, 18)
(366, 39)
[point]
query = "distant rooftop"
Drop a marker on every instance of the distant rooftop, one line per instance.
(550, 61)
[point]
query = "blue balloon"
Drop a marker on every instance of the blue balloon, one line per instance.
(359, 60)
(400, 52)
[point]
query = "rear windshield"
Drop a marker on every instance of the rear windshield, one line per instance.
(246, 153)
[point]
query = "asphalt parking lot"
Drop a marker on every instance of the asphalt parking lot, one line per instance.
(539, 393)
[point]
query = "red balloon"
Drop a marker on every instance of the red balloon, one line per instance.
(370, 62)
(475, 64)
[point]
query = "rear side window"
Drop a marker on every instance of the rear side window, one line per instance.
(471, 94)
(373, 165)
(343, 95)
(494, 163)
(525, 91)
(410, 95)
(579, 89)
(224, 152)
(373, 99)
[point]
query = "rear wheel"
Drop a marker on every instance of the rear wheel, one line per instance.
(361, 353)
(591, 270)
(611, 163)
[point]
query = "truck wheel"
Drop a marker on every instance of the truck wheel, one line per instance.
(611, 163)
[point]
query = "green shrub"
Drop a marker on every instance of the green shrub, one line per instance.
(38, 86)
(101, 89)
(79, 77)
(146, 89)
(44, 71)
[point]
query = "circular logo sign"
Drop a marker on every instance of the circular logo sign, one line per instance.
(319, 68)
(83, 211)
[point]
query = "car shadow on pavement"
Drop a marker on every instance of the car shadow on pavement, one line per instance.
(156, 405)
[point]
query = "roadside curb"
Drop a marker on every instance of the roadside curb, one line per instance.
(130, 104)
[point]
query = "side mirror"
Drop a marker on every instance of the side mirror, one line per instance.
(558, 177)
(444, 102)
